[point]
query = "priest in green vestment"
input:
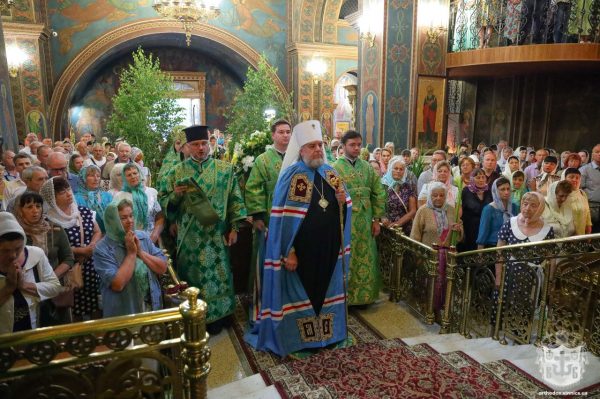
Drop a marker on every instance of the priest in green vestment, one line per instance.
(368, 209)
(264, 173)
(202, 196)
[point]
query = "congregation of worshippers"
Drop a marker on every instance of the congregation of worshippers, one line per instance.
(315, 205)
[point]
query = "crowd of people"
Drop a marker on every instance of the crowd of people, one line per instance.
(89, 208)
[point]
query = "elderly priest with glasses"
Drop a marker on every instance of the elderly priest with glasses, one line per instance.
(303, 296)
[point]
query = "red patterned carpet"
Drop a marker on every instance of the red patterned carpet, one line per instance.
(381, 368)
(390, 369)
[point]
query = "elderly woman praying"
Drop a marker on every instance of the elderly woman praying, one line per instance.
(128, 264)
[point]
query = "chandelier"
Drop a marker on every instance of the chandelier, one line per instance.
(317, 68)
(188, 12)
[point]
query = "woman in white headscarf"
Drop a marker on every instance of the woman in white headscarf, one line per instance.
(83, 232)
(434, 224)
(402, 202)
(527, 226)
(27, 280)
(558, 212)
(512, 165)
(116, 179)
(441, 173)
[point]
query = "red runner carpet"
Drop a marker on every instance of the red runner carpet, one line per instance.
(381, 368)
(390, 369)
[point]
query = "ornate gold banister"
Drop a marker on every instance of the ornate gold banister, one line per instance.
(414, 262)
(88, 327)
(144, 355)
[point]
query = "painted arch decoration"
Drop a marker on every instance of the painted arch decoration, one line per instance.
(94, 52)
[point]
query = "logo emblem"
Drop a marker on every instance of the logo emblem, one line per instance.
(562, 366)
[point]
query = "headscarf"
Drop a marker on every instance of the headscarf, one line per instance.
(38, 231)
(140, 199)
(474, 189)
(475, 159)
(440, 213)
(506, 212)
(135, 152)
(72, 168)
(449, 193)
(116, 180)
(94, 200)
(562, 164)
(388, 179)
(555, 214)
(116, 232)
(538, 214)
(54, 214)
(9, 224)
(517, 194)
(507, 173)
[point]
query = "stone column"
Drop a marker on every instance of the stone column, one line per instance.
(8, 128)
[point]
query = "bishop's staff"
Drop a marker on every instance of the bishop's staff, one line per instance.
(336, 182)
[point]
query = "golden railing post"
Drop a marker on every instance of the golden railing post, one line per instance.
(543, 304)
(398, 256)
(433, 261)
(450, 271)
(496, 335)
(194, 341)
(466, 296)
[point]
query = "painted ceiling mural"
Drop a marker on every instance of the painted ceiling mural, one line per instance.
(259, 23)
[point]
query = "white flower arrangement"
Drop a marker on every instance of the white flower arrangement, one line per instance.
(247, 161)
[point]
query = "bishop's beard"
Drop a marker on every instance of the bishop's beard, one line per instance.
(314, 163)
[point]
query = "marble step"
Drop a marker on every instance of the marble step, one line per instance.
(506, 352)
(466, 345)
(269, 392)
(590, 377)
(238, 389)
(431, 339)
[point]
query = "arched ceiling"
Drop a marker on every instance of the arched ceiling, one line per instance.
(218, 52)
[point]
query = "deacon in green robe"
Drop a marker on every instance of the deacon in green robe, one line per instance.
(259, 190)
(264, 173)
(368, 207)
(202, 256)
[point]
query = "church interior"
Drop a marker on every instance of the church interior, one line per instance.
(527, 72)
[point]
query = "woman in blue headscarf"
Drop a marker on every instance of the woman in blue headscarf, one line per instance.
(146, 209)
(90, 195)
(402, 201)
(128, 264)
(496, 213)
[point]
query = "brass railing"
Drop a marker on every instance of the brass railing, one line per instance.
(528, 307)
(156, 354)
(409, 269)
(475, 24)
